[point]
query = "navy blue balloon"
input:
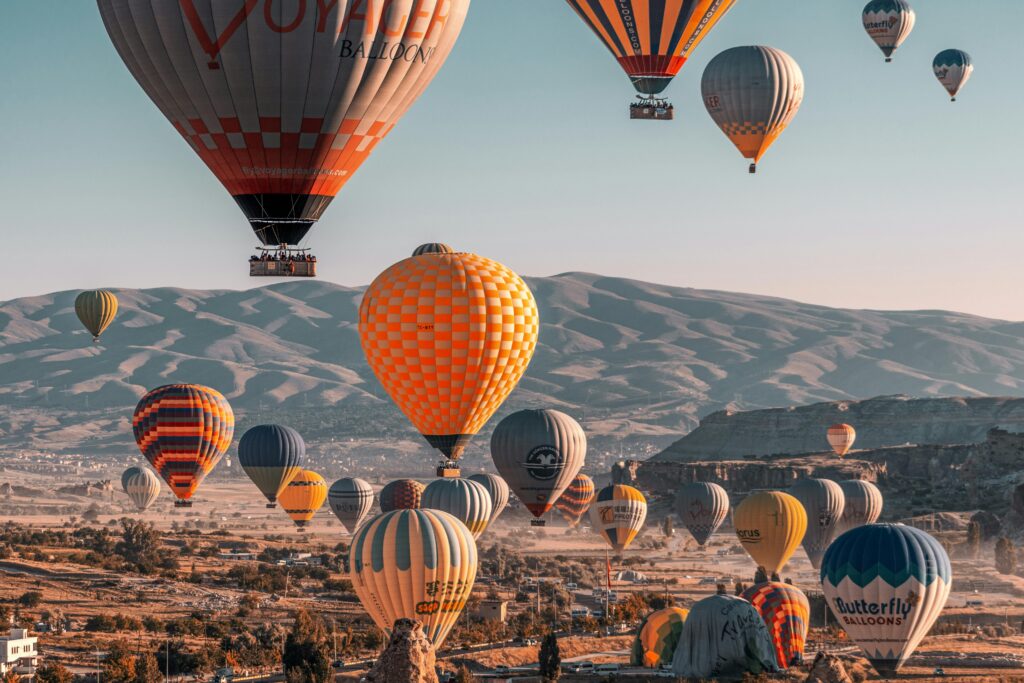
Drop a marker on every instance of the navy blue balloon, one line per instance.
(271, 455)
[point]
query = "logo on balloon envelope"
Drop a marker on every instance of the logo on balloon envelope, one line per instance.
(867, 613)
(544, 463)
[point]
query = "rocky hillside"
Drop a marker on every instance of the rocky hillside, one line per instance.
(639, 363)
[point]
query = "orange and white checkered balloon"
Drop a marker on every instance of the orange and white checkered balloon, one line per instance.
(449, 335)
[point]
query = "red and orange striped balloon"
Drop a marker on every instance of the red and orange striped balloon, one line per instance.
(576, 500)
(841, 438)
(183, 430)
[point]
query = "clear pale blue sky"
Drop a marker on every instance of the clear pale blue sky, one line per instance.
(881, 194)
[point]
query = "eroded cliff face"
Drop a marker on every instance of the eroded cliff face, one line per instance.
(881, 423)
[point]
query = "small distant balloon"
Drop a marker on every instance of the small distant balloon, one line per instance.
(271, 456)
(702, 507)
(823, 501)
(141, 485)
(498, 488)
(888, 23)
(841, 438)
(401, 494)
(303, 497)
(952, 68)
(770, 526)
(618, 514)
(351, 500)
(96, 310)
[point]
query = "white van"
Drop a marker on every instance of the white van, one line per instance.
(609, 668)
(580, 612)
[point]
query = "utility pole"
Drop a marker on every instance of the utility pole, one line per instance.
(167, 662)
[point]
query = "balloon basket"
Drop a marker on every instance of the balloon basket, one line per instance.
(651, 109)
(282, 261)
(538, 522)
(183, 503)
(271, 506)
(449, 470)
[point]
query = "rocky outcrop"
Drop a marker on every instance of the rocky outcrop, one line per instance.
(885, 422)
(409, 656)
(828, 669)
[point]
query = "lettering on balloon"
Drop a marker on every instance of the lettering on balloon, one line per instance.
(544, 463)
(629, 21)
(862, 612)
(750, 536)
(351, 49)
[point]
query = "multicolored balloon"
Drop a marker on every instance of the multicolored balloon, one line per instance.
(823, 501)
(303, 497)
(183, 430)
(840, 438)
(618, 514)
(465, 500)
(450, 361)
(401, 494)
(283, 101)
(752, 93)
(702, 507)
(651, 39)
(770, 526)
(863, 504)
(538, 452)
(787, 616)
(141, 485)
(886, 585)
(723, 637)
(952, 68)
(271, 455)
(657, 637)
(498, 488)
(888, 23)
(576, 499)
(350, 500)
(414, 564)
(96, 310)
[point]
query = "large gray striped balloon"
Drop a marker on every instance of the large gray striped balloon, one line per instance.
(863, 505)
(468, 501)
(823, 500)
(350, 500)
(497, 487)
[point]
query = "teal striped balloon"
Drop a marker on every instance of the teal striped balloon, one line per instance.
(468, 501)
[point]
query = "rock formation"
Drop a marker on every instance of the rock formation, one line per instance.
(828, 669)
(409, 656)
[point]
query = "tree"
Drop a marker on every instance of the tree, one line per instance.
(550, 659)
(1006, 556)
(760, 576)
(666, 527)
(119, 665)
(973, 540)
(463, 675)
(307, 657)
(11, 677)
(53, 672)
(141, 547)
(92, 513)
(30, 599)
(147, 669)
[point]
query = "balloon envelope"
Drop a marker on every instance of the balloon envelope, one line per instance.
(787, 616)
(770, 526)
(183, 430)
(952, 68)
(886, 584)
(841, 438)
(702, 507)
(96, 310)
(303, 496)
(888, 23)
(401, 494)
(538, 452)
(752, 93)
(618, 514)
(451, 360)
(350, 500)
(467, 501)
(497, 488)
(863, 504)
(657, 637)
(723, 637)
(283, 101)
(576, 499)
(141, 485)
(651, 39)
(271, 455)
(414, 564)
(823, 501)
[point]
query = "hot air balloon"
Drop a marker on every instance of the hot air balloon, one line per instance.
(576, 499)
(401, 494)
(498, 489)
(183, 430)
(465, 500)
(618, 513)
(787, 616)
(304, 495)
(723, 637)
(271, 456)
(888, 23)
(702, 507)
(952, 68)
(841, 438)
(350, 500)
(283, 101)
(414, 564)
(538, 452)
(752, 93)
(886, 584)
(863, 504)
(770, 526)
(651, 39)
(823, 501)
(96, 310)
(141, 485)
(656, 639)
(451, 357)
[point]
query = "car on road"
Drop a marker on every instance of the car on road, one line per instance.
(584, 667)
(571, 586)
(939, 671)
(608, 668)
(502, 670)
(597, 613)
